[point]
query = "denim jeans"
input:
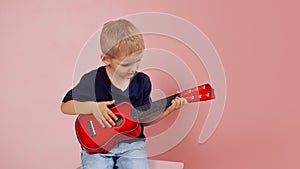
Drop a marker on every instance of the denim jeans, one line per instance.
(122, 156)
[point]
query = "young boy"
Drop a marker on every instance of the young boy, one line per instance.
(99, 90)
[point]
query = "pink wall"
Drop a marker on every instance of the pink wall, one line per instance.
(256, 41)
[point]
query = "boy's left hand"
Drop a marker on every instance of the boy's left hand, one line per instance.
(177, 103)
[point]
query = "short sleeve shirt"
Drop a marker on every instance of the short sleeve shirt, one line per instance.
(96, 86)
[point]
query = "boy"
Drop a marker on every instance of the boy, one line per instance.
(118, 81)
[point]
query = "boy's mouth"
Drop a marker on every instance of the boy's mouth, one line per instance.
(130, 74)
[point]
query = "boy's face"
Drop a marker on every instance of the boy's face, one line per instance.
(125, 67)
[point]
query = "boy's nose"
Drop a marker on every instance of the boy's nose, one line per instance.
(134, 67)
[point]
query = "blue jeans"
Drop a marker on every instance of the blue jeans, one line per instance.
(123, 156)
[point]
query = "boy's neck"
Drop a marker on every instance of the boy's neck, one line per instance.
(117, 81)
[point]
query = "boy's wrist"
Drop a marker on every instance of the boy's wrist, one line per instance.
(92, 107)
(84, 107)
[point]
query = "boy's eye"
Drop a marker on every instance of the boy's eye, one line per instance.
(125, 65)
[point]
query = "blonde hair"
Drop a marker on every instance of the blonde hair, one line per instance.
(120, 38)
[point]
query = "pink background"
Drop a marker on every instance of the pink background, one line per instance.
(257, 42)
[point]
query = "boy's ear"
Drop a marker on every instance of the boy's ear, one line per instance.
(105, 59)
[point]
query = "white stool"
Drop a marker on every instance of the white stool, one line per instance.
(158, 164)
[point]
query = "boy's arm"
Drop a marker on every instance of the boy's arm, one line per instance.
(177, 103)
(99, 109)
(73, 107)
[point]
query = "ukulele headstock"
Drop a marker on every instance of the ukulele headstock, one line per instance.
(199, 93)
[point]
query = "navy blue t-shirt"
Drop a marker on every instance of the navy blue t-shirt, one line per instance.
(96, 86)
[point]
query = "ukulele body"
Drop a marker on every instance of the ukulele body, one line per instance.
(96, 139)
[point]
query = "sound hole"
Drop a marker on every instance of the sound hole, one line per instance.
(119, 121)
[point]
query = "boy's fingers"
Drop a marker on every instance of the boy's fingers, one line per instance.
(173, 102)
(103, 120)
(107, 120)
(105, 123)
(184, 101)
(112, 115)
(110, 102)
(102, 124)
(179, 102)
(99, 118)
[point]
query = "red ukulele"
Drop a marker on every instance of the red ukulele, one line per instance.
(96, 139)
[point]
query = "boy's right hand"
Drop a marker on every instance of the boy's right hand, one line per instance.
(104, 115)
